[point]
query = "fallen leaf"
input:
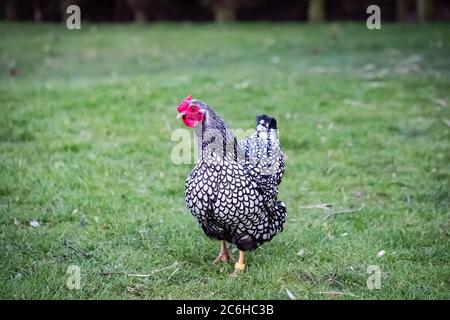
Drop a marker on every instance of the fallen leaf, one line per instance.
(34, 224)
(275, 60)
(241, 85)
(441, 102)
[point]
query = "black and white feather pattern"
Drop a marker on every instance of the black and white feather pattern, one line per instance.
(232, 191)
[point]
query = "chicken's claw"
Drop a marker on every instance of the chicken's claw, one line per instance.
(224, 257)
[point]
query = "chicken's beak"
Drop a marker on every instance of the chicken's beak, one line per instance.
(181, 114)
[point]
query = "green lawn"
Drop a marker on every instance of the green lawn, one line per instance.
(85, 145)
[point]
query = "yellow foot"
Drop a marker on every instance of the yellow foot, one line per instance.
(238, 268)
(224, 257)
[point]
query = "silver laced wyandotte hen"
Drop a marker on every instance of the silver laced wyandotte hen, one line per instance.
(233, 189)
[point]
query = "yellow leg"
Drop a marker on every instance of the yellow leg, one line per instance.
(225, 253)
(240, 265)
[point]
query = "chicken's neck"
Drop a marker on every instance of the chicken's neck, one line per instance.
(216, 143)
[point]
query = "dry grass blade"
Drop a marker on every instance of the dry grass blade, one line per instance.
(291, 295)
(78, 250)
(331, 214)
(153, 272)
(173, 273)
(139, 275)
(324, 206)
(333, 293)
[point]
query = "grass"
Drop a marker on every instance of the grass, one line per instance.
(85, 145)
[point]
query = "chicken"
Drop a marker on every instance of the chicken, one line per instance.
(233, 189)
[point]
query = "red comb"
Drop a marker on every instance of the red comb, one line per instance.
(185, 104)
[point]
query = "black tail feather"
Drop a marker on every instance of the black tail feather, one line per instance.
(265, 120)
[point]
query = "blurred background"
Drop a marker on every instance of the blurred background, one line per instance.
(225, 10)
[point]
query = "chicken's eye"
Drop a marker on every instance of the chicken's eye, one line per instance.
(193, 109)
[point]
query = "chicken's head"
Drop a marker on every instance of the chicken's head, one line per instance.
(190, 112)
